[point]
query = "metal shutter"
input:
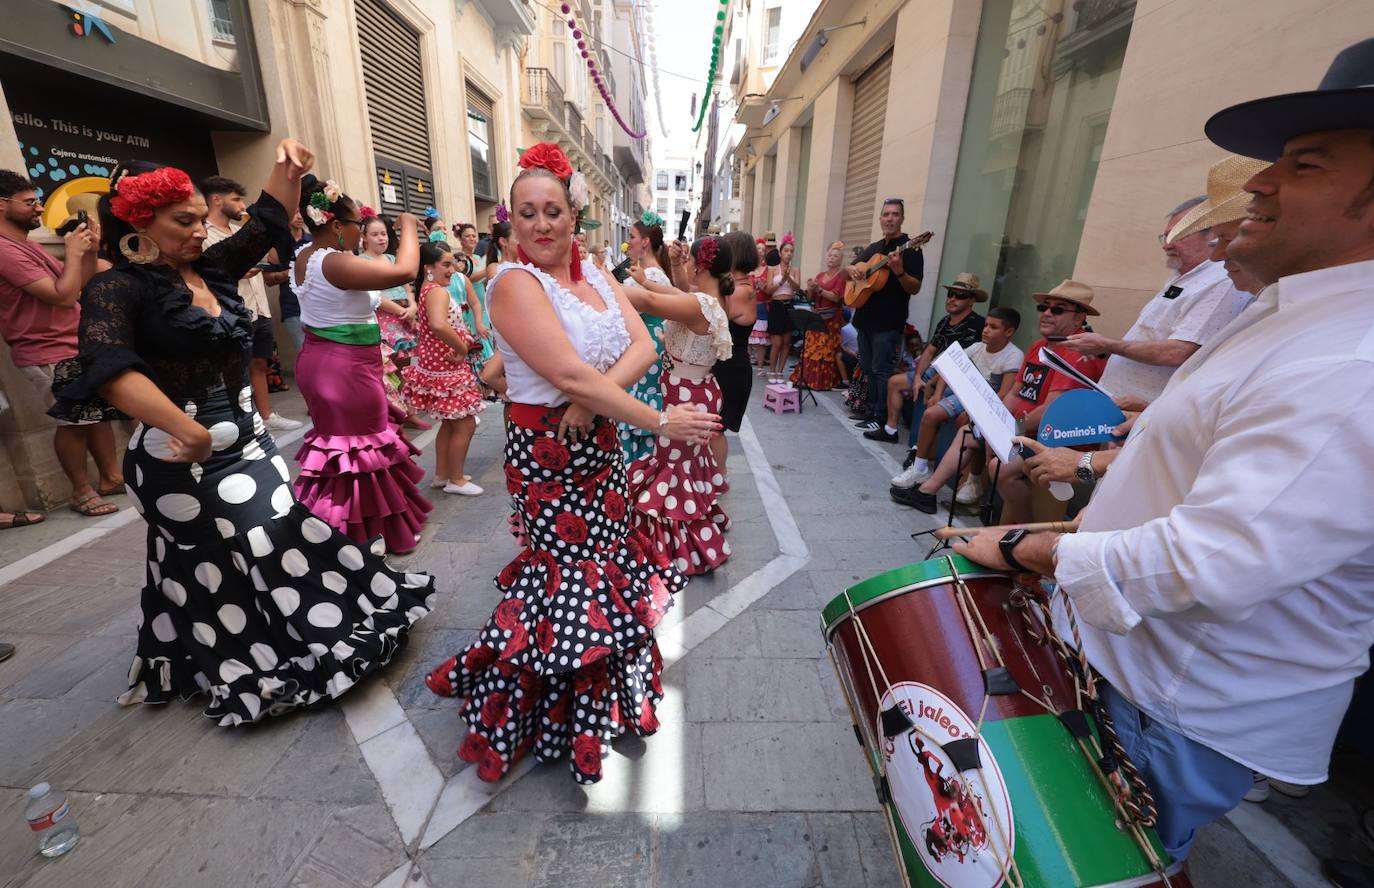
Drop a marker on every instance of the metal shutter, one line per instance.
(865, 152)
(397, 117)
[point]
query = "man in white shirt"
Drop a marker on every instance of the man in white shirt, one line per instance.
(1222, 574)
(1190, 309)
(225, 199)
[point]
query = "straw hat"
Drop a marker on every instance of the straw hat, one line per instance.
(1343, 100)
(967, 282)
(1226, 198)
(1072, 291)
(770, 239)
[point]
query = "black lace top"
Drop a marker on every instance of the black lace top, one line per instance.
(140, 317)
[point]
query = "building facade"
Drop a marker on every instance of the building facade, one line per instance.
(1038, 140)
(408, 104)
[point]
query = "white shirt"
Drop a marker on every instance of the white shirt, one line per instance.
(1231, 546)
(849, 339)
(325, 305)
(1192, 307)
(252, 290)
(598, 337)
(992, 366)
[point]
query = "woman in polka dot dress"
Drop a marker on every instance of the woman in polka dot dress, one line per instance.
(249, 599)
(568, 661)
(677, 488)
(441, 382)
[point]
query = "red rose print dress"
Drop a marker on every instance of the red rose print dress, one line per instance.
(677, 488)
(436, 385)
(567, 662)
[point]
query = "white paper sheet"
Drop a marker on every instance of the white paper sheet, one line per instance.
(985, 409)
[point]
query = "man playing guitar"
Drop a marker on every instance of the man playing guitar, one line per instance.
(881, 319)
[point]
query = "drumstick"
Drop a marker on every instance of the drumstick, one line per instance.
(946, 533)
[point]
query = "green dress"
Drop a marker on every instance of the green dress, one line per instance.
(634, 441)
(457, 290)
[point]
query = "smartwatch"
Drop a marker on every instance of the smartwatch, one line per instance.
(1008, 543)
(1085, 469)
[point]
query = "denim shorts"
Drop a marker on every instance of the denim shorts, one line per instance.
(951, 405)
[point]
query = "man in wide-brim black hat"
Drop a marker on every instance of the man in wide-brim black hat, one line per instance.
(1222, 571)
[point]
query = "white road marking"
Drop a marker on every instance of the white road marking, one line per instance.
(1284, 851)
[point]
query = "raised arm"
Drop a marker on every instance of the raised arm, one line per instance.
(349, 272)
(668, 303)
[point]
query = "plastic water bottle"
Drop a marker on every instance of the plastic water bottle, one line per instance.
(50, 815)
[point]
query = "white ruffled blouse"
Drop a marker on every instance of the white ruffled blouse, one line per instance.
(701, 350)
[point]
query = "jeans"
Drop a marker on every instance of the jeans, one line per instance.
(877, 356)
(293, 329)
(1192, 784)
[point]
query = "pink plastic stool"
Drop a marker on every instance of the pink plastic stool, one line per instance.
(781, 399)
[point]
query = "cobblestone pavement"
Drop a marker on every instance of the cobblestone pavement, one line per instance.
(754, 780)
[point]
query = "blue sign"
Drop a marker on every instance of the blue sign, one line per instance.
(1081, 416)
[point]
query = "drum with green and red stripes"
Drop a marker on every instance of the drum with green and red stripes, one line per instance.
(983, 783)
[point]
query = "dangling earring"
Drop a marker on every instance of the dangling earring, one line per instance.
(147, 251)
(429, 275)
(341, 243)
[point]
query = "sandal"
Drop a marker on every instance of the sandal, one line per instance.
(20, 519)
(92, 506)
(117, 490)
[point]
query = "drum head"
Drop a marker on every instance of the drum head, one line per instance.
(897, 582)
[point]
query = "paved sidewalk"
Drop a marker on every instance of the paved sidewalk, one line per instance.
(754, 780)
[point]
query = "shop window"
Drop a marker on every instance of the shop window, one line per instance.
(221, 22)
(772, 34)
(1038, 106)
(480, 111)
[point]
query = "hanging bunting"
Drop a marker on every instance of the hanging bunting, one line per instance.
(582, 42)
(652, 43)
(716, 37)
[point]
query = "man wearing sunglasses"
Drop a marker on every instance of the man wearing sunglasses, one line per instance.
(225, 199)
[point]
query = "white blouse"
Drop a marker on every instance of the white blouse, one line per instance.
(325, 305)
(598, 337)
(701, 350)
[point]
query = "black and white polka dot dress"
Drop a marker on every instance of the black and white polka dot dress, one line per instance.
(251, 599)
(567, 662)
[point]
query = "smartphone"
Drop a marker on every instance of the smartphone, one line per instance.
(1056, 338)
(75, 222)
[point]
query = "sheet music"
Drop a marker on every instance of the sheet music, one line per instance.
(985, 409)
(1057, 363)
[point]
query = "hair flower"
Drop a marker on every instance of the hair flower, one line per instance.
(578, 191)
(650, 218)
(502, 214)
(431, 213)
(706, 253)
(317, 215)
(332, 191)
(548, 156)
(365, 212)
(138, 196)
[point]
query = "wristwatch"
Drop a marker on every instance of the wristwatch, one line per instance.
(1085, 469)
(1008, 543)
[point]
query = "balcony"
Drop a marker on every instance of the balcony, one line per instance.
(1009, 111)
(629, 157)
(543, 98)
(509, 16)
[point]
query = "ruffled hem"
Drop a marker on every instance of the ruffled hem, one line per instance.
(511, 712)
(331, 455)
(693, 547)
(384, 504)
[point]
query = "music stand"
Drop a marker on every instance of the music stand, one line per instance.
(804, 321)
(964, 447)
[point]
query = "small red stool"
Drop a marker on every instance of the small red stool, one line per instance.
(781, 398)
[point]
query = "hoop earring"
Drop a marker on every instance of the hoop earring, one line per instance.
(145, 254)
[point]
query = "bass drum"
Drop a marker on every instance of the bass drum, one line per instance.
(957, 699)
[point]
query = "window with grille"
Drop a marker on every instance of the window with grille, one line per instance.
(661, 180)
(662, 205)
(480, 113)
(221, 22)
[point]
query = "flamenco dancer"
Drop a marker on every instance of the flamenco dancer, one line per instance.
(734, 375)
(677, 489)
(441, 383)
(358, 473)
(249, 598)
(650, 255)
(568, 661)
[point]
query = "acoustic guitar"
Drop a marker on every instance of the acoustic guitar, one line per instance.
(876, 272)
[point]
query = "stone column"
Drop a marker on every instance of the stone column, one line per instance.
(833, 116)
(763, 176)
(785, 174)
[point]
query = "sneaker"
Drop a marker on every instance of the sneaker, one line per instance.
(910, 458)
(867, 425)
(1292, 790)
(911, 476)
(1259, 788)
(467, 488)
(6, 651)
(970, 492)
(882, 434)
(278, 423)
(858, 417)
(915, 498)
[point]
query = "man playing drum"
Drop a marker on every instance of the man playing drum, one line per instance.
(1221, 574)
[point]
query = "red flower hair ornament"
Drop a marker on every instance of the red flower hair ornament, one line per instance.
(138, 196)
(547, 156)
(706, 253)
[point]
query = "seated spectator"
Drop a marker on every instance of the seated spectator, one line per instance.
(1063, 311)
(997, 361)
(960, 324)
(40, 311)
(1191, 307)
(847, 358)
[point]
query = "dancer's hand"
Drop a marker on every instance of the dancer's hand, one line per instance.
(637, 272)
(576, 424)
(408, 316)
(688, 423)
(190, 446)
(297, 158)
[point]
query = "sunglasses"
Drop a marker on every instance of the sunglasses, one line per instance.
(894, 200)
(1056, 310)
(955, 294)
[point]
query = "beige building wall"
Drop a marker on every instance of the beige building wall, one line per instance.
(1184, 62)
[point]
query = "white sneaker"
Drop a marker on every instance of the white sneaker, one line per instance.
(278, 423)
(1292, 790)
(970, 493)
(467, 488)
(1259, 788)
(911, 477)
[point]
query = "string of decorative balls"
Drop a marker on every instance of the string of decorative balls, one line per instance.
(716, 38)
(600, 81)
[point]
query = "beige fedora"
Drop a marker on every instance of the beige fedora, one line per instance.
(1072, 291)
(770, 239)
(967, 282)
(1226, 198)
